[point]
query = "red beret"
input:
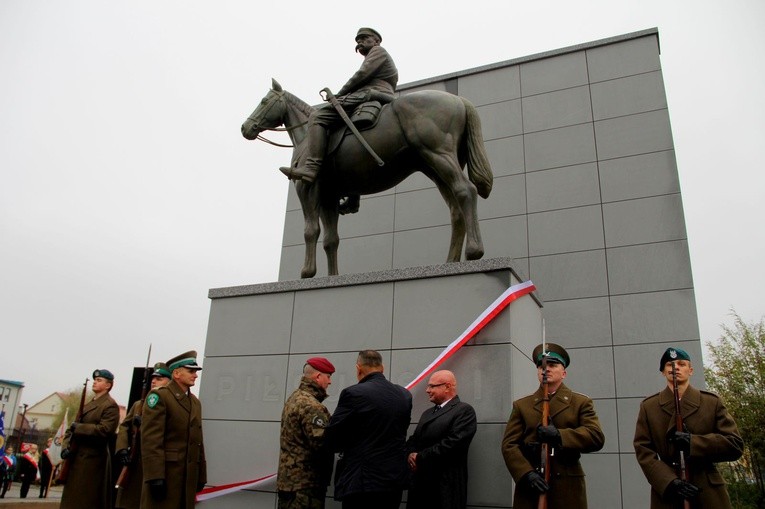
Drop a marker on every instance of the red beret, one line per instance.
(322, 364)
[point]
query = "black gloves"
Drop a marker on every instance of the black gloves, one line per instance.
(65, 453)
(200, 486)
(73, 427)
(681, 440)
(157, 489)
(535, 481)
(123, 457)
(682, 490)
(549, 435)
(137, 421)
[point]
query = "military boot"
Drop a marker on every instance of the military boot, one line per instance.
(317, 146)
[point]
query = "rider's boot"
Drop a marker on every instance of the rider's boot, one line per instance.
(317, 146)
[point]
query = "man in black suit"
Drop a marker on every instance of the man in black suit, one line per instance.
(369, 428)
(438, 448)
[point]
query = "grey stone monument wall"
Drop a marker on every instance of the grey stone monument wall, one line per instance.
(260, 336)
(587, 203)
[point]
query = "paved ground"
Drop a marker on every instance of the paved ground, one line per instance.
(12, 500)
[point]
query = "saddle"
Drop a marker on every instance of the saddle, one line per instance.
(364, 117)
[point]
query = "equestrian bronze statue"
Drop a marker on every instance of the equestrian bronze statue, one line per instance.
(430, 131)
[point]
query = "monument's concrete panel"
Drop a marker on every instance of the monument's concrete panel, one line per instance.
(587, 202)
(409, 315)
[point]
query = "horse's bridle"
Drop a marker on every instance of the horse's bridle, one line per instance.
(275, 129)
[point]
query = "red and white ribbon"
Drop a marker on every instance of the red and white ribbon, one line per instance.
(504, 300)
(508, 296)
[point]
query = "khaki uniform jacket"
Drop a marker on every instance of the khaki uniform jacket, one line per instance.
(129, 496)
(574, 416)
(377, 72)
(172, 447)
(303, 461)
(714, 438)
(90, 475)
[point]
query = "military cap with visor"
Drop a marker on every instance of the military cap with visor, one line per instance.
(161, 370)
(673, 354)
(368, 31)
(184, 360)
(553, 353)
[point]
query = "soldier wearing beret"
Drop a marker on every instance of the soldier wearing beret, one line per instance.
(305, 466)
(710, 436)
(89, 483)
(129, 495)
(375, 80)
(573, 429)
(172, 450)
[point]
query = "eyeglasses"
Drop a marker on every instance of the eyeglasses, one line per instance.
(433, 386)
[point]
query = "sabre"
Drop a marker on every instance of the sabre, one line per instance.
(334, 102)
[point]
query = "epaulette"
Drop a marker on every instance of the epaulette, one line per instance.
(656, 395)
(709, 393)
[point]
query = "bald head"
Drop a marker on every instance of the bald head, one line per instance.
(442, 386)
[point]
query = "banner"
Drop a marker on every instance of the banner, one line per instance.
(2, 432)
(54, 451)
(508, 297)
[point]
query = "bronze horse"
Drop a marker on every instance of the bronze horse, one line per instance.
(430, 131)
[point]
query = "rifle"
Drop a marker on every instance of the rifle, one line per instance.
(546, 453)
(63, 472)
(125, 473)
(682, 468)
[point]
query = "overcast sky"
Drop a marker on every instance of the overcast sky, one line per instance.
(127, 190)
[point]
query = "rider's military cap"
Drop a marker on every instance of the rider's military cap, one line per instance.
(553, 353)
(368, 31)
(673, 354)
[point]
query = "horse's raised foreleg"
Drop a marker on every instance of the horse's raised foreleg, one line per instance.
(447, 168)
(329, 214)
(309, 201)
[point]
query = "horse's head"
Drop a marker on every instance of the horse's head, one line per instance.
(270, 113)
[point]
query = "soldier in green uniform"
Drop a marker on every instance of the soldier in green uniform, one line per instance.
(375, 80)
(172, 449)
(710, 436)
(573, 429)
(305, 467)
(89, 483)
(129, 496)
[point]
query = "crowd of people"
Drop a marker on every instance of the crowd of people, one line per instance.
(158, 458)
(377, 462)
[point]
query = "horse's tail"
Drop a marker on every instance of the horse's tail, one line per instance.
(479, 168)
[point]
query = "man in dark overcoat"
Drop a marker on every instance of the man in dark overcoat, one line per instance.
(710, 436)
(172, 449)
(573, 429)
(369, 429)
(129, 495)
(86, 448)
(438, 448)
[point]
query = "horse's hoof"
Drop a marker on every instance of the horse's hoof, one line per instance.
(474, 254)
(306, 273)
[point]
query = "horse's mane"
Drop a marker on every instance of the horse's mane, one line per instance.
(300, 104)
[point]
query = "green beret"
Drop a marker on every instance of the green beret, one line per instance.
(673, 354)
(103, 373)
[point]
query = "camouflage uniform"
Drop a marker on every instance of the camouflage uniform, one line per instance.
(305, 468)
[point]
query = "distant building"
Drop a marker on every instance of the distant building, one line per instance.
(10, 399)
(42, 415)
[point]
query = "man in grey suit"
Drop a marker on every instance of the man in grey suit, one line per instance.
(439, 446)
